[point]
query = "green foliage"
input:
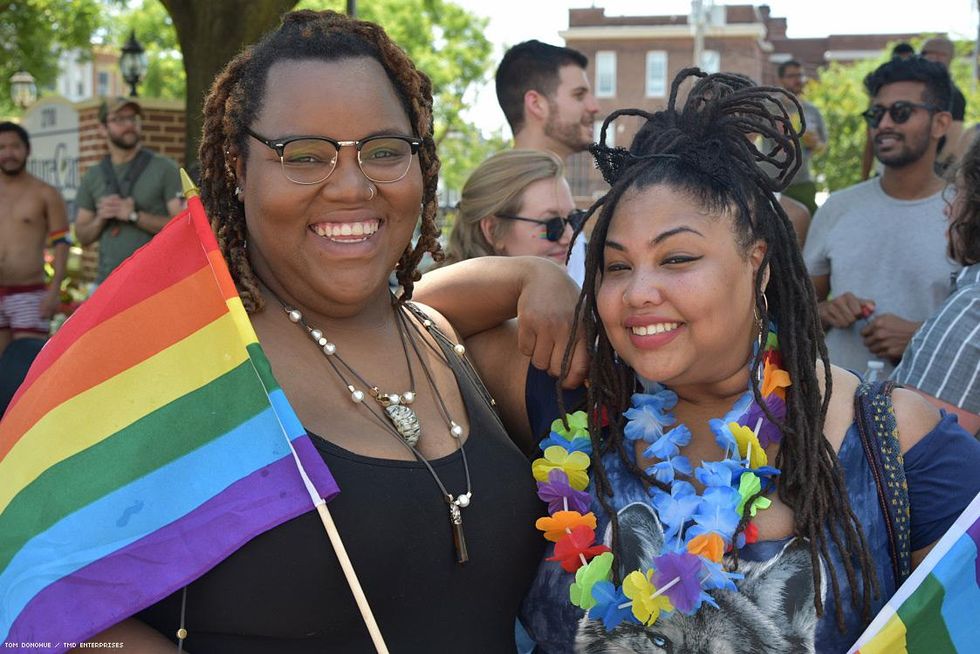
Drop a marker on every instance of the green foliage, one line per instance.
(33, 33)
(447, 43)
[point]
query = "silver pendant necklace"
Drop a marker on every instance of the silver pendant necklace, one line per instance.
(397, 417)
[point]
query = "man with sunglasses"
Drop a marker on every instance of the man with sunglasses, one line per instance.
(130, 194)
(876, 251)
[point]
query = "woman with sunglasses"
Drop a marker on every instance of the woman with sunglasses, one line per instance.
(515, 203)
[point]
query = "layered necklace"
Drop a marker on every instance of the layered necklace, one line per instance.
(393, 410)
(698, 528)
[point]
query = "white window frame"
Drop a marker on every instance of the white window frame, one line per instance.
(656, 88)
(605, 71)
(610, 133)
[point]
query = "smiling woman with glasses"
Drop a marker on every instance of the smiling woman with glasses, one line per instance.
(516, 202)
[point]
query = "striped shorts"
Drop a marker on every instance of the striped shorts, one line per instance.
(20, 309)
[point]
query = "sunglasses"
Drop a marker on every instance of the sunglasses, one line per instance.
(900, 112)
(554, 228)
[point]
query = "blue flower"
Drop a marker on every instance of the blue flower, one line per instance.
(718, 473)
(608, 600)
(648, 416)
(574, 445)
(723, 435)
(716, 512)
(665, 471)
(669, 444)
(713, 576)
(677, 508)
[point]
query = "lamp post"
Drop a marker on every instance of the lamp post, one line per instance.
(132, 63)
(23, 90)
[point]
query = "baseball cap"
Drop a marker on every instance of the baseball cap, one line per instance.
(112, 105)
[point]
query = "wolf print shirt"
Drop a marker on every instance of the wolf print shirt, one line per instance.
(774, 608)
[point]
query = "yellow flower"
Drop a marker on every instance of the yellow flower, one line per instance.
(573, 464)
(745, 438)
(647, 605)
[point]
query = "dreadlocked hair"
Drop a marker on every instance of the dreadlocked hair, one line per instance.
(235, 100)
(705, 150)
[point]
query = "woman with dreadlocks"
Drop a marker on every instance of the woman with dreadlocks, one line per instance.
(725, 489)
(316, 157)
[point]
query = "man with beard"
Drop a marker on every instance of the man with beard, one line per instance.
(876, 252)
(32, 216)
(546, 97)
(130, 195)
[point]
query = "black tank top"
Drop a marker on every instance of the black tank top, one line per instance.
(284, 591)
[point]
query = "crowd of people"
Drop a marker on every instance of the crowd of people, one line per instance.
(648, 418)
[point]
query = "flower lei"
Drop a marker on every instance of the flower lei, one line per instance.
(698, 529)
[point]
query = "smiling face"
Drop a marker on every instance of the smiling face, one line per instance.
(899, 144)
(675, 295)
(543, 199)
(331, 244)
(571, 110)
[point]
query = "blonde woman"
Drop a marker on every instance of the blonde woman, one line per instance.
(516, 202)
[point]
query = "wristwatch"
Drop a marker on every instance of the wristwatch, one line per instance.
(134, 217)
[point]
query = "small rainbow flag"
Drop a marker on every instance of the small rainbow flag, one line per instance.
(148, 442)
(937, 610)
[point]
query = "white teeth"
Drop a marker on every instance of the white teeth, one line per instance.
(658, 328)
(346, 230)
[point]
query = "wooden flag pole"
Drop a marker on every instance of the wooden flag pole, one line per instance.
(355, 585)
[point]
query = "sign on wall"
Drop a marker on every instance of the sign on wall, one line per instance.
(53, 126)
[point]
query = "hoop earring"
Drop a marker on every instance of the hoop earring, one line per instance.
(373, 192)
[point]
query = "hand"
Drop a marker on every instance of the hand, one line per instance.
(843, 310)
(109, 208)
(888, 335)
(545, 314)
(50, 304)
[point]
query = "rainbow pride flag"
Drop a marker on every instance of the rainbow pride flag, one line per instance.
(937, 609)
(147, 443)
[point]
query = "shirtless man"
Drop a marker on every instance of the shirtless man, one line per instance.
(32, 216)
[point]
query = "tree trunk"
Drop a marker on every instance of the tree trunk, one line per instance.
(211, 33)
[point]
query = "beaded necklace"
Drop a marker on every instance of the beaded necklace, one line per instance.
(698, 528)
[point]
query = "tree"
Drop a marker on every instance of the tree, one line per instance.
(210, 34)
(33, 33)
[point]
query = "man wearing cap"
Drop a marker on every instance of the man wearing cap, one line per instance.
(128, 196)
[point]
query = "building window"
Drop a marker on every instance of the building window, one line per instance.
(610, 133)
(103, 83)
(605, 74)
(656, 74)
(710, 61)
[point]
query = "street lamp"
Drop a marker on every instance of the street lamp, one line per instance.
(132, 63)
(23, 90)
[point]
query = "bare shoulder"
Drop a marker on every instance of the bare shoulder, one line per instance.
(840, 411)
(914, 416)
(438, 320)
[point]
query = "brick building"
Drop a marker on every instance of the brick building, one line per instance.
(634, 58)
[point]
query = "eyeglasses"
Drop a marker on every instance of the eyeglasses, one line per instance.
(311, 159)
(134, 119)
(554, 228)
(900, 112)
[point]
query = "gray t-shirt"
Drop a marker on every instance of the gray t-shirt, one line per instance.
(887, 250)
(814, 123)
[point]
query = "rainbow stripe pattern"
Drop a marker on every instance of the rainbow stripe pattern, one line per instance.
(147, 443)
(937, 610)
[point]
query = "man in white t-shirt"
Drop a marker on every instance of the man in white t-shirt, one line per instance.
(876, 251)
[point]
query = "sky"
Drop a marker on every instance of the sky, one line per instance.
(513, 21)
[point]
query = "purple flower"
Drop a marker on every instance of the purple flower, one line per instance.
(557, 490)
(608, 600)
(769, 433)
(685, 594)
